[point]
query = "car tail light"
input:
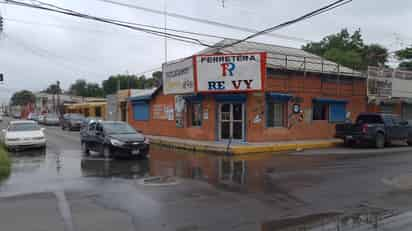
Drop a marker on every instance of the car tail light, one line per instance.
(364, 128)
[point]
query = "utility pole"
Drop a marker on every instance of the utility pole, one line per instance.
(128, 79)
(58, 97)
(165, 24)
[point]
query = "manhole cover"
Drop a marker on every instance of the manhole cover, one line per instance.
(159, 181)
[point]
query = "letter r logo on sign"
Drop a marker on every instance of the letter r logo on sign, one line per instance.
(227, 67)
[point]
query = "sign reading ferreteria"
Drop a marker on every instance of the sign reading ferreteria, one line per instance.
(216, 73)
(387, 82)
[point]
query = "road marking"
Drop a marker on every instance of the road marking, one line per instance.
(64, 209)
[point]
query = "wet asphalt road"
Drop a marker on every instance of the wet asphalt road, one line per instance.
(60, 189)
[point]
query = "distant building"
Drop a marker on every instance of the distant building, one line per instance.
(46, 103)
(390, 91)
(117, 104)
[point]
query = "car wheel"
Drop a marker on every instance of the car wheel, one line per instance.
(85, 149)
(379, 140)
(106, 152)
(347, 143)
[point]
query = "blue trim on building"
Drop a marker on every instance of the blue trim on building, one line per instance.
(194, 98)
(232, 98)
(141, 98)
(272, 96)
(330, 101)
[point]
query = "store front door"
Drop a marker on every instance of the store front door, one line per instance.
(231, 121)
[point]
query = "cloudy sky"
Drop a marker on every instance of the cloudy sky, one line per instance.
(38, 48)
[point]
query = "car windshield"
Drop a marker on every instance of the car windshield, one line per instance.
(20, 127)
(118, 128)
(369, 119)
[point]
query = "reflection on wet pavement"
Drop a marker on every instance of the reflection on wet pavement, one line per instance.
(98, 167)
(367, 219)
(265, 184)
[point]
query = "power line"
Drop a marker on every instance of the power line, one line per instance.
(108, 21)
(205, 21)
(321, 10)
(186, 39)
(102, 31)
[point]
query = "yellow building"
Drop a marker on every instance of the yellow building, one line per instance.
(90, 109)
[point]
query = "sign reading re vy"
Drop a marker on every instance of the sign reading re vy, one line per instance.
(230, 72)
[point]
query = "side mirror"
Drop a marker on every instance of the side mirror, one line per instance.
(43, 129)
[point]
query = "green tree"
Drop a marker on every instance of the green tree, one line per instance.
(349, 50)
(82, 88)
(52, 89)
(22, 98)
(113, 83)
(405, 56)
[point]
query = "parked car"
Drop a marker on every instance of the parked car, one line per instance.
(52, 119)
(375, 128)
(40, 119)
(72, 121)
(23, 134)
(33, 116)
(87, 120)
(113, 139)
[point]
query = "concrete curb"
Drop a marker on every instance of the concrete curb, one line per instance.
(244, 149)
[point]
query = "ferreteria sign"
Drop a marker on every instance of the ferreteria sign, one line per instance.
(230, 72)
(178, 77)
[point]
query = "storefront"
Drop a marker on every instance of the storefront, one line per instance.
(272, 99)
(389, 91)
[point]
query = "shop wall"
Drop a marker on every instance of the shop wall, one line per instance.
(307, 88)
(164, 127)
(374, 107)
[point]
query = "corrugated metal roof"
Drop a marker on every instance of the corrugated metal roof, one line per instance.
(137, 94)
(285, 58)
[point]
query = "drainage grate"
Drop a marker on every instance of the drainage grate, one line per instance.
(159, 181)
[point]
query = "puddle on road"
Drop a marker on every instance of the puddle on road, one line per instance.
(373, 219)
(249, 174)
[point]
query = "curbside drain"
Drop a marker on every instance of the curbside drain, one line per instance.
(159, 181)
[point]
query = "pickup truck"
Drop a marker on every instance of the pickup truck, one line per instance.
(376, 129)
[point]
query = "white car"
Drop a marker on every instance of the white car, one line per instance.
(23, 134)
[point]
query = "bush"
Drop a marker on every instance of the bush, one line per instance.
(5, 163)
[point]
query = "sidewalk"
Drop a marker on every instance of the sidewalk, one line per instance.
(237, 148)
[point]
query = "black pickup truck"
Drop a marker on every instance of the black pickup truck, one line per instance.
(375, 128)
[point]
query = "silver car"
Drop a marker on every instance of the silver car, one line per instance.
(51, 119)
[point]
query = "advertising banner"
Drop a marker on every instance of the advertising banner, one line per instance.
(387, 82)
(230, 72)
(178, 77)
(380, 82)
